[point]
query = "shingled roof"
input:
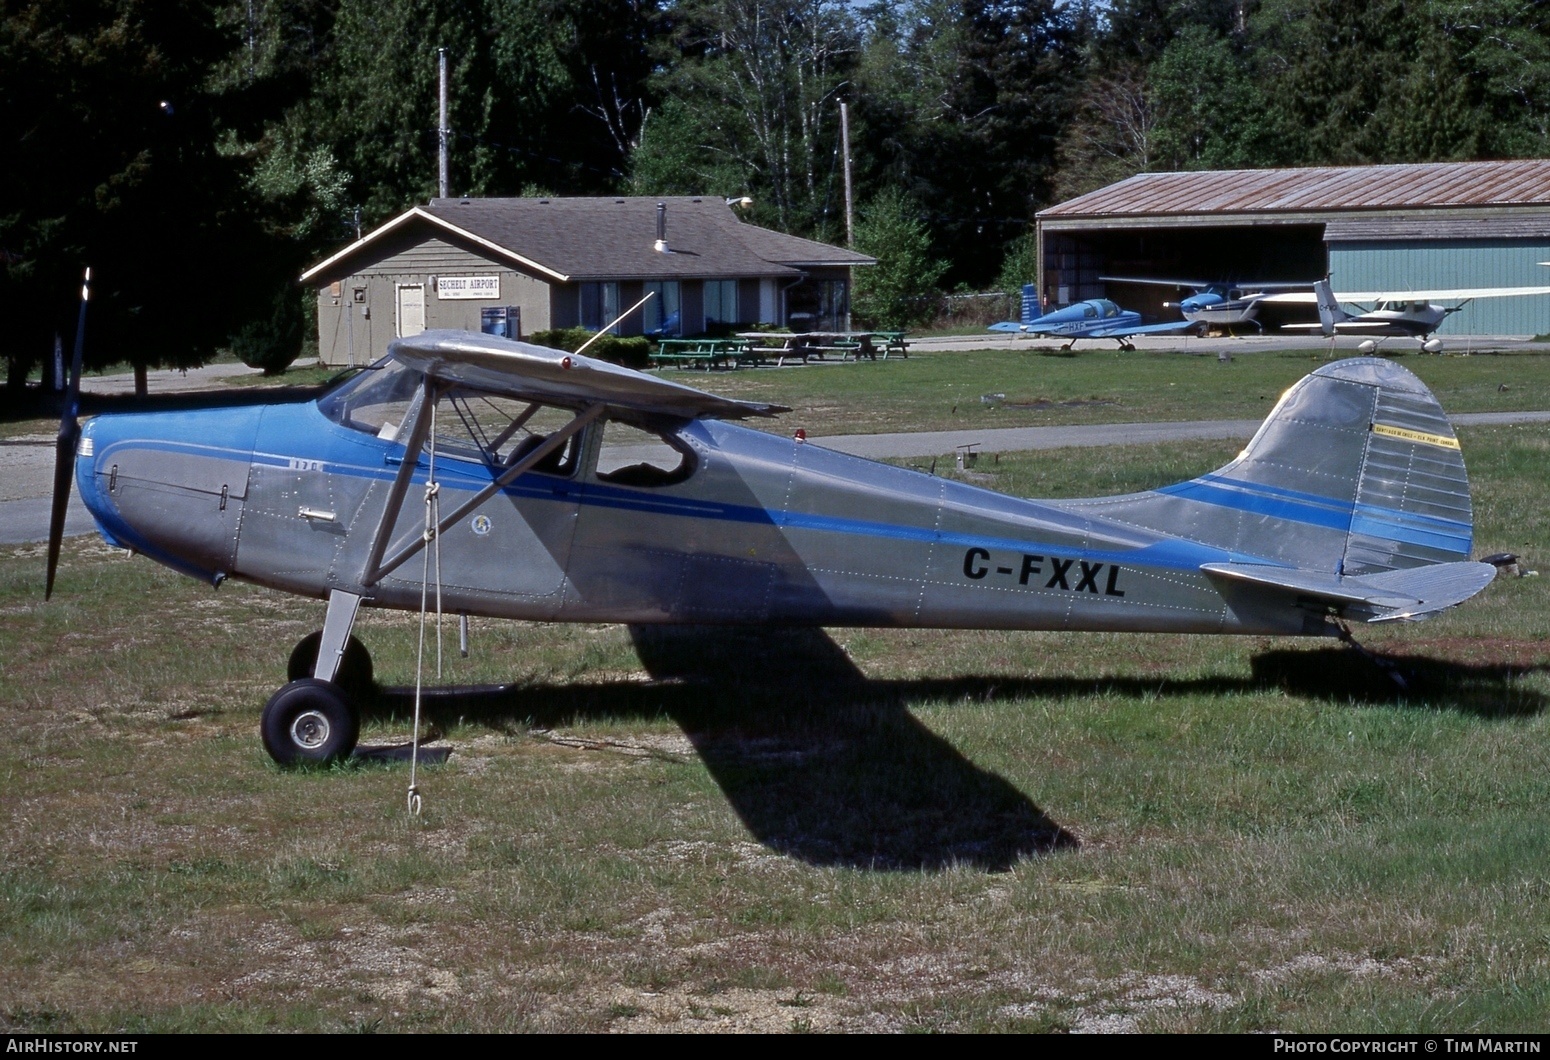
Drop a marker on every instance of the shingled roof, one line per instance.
(1316, 189)
(600, 239)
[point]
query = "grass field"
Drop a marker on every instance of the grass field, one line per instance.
(943, 391)
(849, 830)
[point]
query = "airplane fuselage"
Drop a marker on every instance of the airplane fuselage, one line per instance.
(1219, 308)
(765, 530)
(1403, 319)
(1083, 318)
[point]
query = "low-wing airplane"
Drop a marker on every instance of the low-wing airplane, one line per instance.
(530, 483)
(1096, 318)
(1218, 305)
(1408, 314)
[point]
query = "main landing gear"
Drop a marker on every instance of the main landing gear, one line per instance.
(309, 721)
(316, 717)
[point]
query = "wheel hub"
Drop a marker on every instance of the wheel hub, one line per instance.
(310, 730)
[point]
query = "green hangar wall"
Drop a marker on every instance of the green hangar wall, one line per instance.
(1445, 264)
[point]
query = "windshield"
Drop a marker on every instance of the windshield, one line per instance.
(375, 400)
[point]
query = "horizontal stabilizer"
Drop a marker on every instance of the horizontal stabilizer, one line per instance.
(538, 373)
(1391, 595)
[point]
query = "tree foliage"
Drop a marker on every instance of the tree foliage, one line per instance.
(899, 291)
(200, 153)
(756, 86)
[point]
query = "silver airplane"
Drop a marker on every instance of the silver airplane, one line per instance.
(559, 487)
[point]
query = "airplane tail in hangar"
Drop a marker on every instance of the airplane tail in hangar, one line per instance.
(1356, 472)
(1330, 312)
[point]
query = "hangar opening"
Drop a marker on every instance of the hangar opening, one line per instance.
(1075, 263)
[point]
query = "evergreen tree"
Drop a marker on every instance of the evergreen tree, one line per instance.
(111, 123)
(899, 291)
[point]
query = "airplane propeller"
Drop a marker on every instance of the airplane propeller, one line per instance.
(64, 444)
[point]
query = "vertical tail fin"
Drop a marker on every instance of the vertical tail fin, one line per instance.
(1356, 471)
(1030, 307)
(1330, 312)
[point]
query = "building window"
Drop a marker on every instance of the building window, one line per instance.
(721, 302)
(818, 305)
(661, 313)
(599, 305)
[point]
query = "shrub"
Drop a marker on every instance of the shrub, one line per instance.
(632, 351)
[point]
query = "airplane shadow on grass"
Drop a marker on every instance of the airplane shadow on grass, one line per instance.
(828, 766)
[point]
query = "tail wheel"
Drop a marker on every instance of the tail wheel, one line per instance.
(309, 721)
(354, 674)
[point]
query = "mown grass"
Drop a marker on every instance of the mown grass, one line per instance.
(852, 830)
(1043, 386)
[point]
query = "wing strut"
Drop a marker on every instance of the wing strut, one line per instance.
(376, 567)
(419, 430)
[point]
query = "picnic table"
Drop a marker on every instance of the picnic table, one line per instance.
(806, 344)
(700, 353)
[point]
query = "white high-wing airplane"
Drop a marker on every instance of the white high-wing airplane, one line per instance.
(1411, 314)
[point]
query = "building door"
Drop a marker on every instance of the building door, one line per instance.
(411, 309)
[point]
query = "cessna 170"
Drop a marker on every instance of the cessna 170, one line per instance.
(559, 487)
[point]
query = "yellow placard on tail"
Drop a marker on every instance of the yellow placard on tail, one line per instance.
(1421, 437)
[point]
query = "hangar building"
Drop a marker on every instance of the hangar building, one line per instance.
(1402, 227)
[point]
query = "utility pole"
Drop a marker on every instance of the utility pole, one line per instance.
(443, 134)
(850, 227)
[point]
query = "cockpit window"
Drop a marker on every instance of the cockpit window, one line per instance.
(630, 456)
(470, 425)
(501, 430)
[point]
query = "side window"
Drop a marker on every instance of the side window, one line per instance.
(631, 456)
(499, 431)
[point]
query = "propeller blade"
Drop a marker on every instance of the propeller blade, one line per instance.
(64, 444)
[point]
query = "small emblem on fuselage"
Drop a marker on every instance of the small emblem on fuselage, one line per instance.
(481, 524)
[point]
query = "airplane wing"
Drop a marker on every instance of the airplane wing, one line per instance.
(1142, 329)
(1444, 294)
(1249, 287)
(1386, 597)
(1342, 326)
(522, 370)
(1063, 329)
(1156, 281)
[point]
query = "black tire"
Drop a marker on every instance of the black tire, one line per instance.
(355, 671)
(309, 721)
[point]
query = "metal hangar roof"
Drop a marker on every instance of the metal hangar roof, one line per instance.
(1483, 190)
